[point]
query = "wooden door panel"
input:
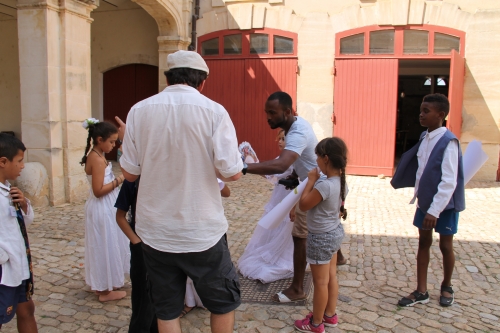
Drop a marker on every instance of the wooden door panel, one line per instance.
(123, 87)
(118, 91)
(365, 101)
(226, 86)
(242, 86)
(456, 93)
(262, 78)
(146, 81)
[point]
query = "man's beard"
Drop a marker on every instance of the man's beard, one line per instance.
(279, 124)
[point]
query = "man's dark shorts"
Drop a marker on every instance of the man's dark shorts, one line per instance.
(212, 271)
(10, 297)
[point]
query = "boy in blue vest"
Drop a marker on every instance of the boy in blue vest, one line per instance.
(434, 167)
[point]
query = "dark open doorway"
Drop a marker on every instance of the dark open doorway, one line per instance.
(416, 79)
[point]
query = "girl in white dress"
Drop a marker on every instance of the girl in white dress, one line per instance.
(107, 254)
(269, 254)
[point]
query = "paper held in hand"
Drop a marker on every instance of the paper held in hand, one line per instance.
(272, 219)
(473, 159)
(247, 153)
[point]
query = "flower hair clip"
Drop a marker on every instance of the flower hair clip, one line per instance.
(90, 121)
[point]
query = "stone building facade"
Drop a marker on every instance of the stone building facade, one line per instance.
(55, 56)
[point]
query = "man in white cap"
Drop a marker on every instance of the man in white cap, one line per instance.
(179, 142)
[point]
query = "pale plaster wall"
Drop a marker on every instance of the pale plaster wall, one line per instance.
(318, 21)
(10, 100)
(481, 111)
(120, 37)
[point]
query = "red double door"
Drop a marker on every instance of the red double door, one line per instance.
(242, 86)
(365, 105)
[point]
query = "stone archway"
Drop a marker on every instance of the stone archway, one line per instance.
(55, 77)
(173, 19)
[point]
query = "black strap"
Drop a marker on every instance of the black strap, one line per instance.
(447, 289)
(22, 226)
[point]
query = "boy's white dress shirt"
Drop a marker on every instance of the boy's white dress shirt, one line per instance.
(12, 249)
(449, 169)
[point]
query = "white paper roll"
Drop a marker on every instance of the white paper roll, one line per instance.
(473, 159)
(273, 219)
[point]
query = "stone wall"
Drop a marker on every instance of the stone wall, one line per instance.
(54, 65)
(34, 182)
(10, 101)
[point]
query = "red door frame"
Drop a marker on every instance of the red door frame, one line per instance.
(456, 93)
(398, 41)
(245, 43)
(456, 60)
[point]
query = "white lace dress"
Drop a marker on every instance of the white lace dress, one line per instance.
(107, 253)
(269, 254)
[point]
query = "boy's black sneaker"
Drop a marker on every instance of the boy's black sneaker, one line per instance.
(447, 301)
(422, 298)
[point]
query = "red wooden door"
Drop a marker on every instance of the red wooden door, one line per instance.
(262, 78)
(365, 102)
(242, 86)
(123, 87)
(225, 85)
(456, 93)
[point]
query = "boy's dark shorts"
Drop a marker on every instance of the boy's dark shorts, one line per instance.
(10, 297)
(447, 223)
(212, 271)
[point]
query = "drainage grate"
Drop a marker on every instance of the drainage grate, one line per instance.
(254, 291)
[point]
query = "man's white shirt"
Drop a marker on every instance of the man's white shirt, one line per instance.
(175, 140)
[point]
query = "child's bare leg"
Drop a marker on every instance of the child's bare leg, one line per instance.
(423, 258)
(26, 317)
(321, 277)
(333, 289)
(446, 247)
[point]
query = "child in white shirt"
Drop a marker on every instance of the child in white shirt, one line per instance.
(16, 274)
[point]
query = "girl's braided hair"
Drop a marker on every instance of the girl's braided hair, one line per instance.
(102, 129)
(336, 150)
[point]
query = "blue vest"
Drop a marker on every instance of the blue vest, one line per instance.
(406, 173)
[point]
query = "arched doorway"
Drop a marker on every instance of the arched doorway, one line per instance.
(381, 75)
(245, 68)
(123, 87)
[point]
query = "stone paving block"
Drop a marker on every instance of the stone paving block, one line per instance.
(385, 322)
(403, 329)
(265, 329)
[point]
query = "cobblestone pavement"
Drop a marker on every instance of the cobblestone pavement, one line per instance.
(380, 243)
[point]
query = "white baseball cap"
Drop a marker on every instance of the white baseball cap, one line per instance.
(186, 59)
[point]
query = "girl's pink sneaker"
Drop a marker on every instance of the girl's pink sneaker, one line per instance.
(327, 321)
(305, 325)
(330, 321)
